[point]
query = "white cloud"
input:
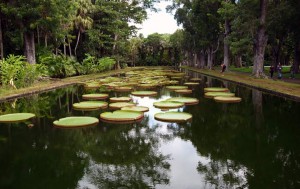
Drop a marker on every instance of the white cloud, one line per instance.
(159, 22)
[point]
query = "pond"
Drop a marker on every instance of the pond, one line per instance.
(251, 144)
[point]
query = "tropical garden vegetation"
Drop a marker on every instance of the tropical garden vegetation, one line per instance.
(66, 38)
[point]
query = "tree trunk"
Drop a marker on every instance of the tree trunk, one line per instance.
(1, 42)
(261, 42)
(209, 58)
(202, 59)
(65, 47)
(38, 35)
(77, 42)
(297, 55)
(238, 61)
(115, 43)
(29, 47)
(226, 44)
(46, 40)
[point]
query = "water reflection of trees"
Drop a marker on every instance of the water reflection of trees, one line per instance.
(250, 144)
(126, 157)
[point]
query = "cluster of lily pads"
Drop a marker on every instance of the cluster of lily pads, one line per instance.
(139, 83)
(220, 94)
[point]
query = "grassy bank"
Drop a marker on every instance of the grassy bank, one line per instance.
(50, 84)
(277, 87)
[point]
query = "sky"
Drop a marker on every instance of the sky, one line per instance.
(160, 22)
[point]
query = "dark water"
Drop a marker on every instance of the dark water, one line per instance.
(252, 144)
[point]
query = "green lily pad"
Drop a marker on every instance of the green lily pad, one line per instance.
(136, 108)
(144, 93)
(95, 96)
(123, 89)
(191, 83)
(168, 104)
(176, 117)
(147, 86)
(216, 89)
(122, 116)
(16, 117)
(119, 105)
(92, 85)
(185, 100)
(195, 79)
(214, 94)
(176, 87)
(90, 105)
(73, 122)
(227, 99)
(120, 99)
(184, 91)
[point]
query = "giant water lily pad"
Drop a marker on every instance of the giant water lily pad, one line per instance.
(214, 94)
(176, 87)
(92, 85)
(168, 104)
(144, 93)
(227, 99)
(147, 86)
(119, 105)
(73, 122)
(95, 96)
(16, 117)
(185, 100)
(90, 105)
(120, 99)
(184, 91)
(216, 89)
(136, 108)
(122, 116)
(191, 83)
(176, 117)
(123, 89)
(195, 79)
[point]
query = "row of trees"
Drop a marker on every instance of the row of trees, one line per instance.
(255, 32)
(72, 28)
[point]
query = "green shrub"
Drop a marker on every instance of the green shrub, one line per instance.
(105, 64)
(16, 72)
(59, 65)
(89, 64)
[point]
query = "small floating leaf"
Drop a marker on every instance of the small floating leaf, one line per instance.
(227, 99)
(144, 93)
(122, 116)
(216, 89)
(136, 108)
(167, 104)
(95, 96)
(71, 122)
(90, 105)
(16, 117)
(176, 117)
(185, 100)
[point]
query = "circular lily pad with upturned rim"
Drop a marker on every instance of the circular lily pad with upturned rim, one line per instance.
(75, 122)
(120, 99)
(119, 105)
(92, 85)
(227, 99)
(147, 86)
(176, 87)
(95, 96)
(176, 117)
(184, 91)
(90, 105)
(122, 116)
(195, 79)
(216, 89)
(16, 117)
(191, 83)
(136, 108)
(214, 94)
(123, 89)
(144, 93)
(185, 100)
(168, 104)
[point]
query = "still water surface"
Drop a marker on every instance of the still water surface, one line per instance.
(252, 144)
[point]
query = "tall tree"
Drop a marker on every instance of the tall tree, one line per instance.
(260, 42)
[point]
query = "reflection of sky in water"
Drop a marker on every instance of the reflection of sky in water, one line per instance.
(184, 158)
